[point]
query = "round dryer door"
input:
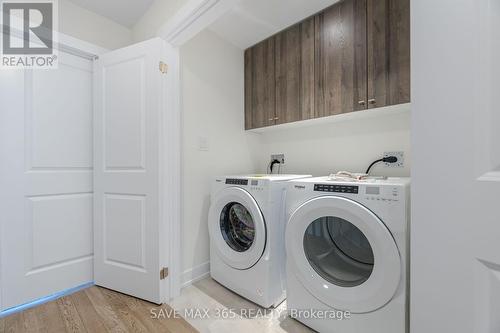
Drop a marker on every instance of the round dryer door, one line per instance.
(343, 254)
(237, 228)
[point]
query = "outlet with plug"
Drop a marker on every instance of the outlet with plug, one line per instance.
(278, 157)
(277, 161)
(399, 155)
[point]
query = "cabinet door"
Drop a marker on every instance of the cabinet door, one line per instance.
(260, 96)
(388, 52)
(295, 73)
(341, 66)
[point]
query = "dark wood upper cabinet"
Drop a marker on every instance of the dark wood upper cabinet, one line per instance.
(341, 59)
(260, 85)
(388, 52)
(354, 55)
(295, 73)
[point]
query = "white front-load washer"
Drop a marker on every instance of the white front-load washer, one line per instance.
(347, 248)
(246, 223)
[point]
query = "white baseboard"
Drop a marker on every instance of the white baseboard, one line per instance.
(196, 273)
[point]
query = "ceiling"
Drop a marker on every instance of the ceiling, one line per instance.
(254, 20)
(124, 12)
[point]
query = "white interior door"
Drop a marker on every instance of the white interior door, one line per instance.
(455, 254)
(128, 220)
(46, 180)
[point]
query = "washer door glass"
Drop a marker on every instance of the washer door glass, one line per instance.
(343, 254)
(338, 251)
(237, 226)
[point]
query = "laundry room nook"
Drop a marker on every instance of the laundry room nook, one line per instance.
(272, 166)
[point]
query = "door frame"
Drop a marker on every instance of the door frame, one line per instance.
(171, 160)
(191, 19)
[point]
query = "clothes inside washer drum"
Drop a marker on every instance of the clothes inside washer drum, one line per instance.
(237, 227)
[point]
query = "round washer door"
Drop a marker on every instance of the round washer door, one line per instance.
(237, 228)
(343, 254)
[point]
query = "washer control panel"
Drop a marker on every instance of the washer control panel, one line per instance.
(336, 188)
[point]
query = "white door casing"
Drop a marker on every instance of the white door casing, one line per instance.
(130, 223)
(385, 278)
(238, 260)
(46, 180)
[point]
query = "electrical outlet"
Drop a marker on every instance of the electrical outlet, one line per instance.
(401, 159)
(279, 157)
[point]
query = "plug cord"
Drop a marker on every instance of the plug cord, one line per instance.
(271, 165)
(388, 159)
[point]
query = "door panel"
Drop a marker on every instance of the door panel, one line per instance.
(46, 177)
(124, 115)
(44, 148)
(124, 226)
(341, 58)
(260, 95)
(295, 73)
(388, 52)
(69, 216)
(127, 220)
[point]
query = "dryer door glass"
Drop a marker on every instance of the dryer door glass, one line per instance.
(237, 226)
(338, 251)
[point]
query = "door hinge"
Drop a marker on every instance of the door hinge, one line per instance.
(163, 273)
(163, 67)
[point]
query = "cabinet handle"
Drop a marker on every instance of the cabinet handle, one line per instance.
(276, 118)
(361, 103)
(372, 101)
(271, 119)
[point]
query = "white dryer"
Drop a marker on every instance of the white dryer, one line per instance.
(246, 223)
(347, 247)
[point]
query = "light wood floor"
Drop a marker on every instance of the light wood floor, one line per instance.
(94, 310)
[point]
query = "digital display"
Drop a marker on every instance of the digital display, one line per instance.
(237, 181)
(373, 190)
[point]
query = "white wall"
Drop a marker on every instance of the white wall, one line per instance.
(159, 13)
(347, 145)
(83, 24)
(213, 108)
